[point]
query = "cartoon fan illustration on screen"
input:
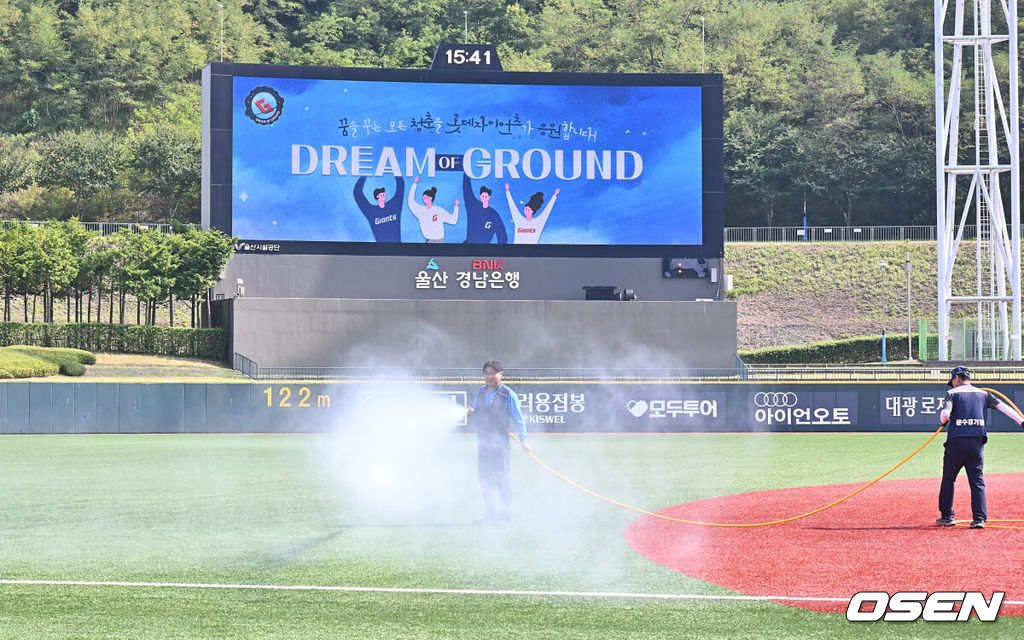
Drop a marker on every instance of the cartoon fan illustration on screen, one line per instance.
(527, 225)
(384, 215)
(483, 223)
(432, 217)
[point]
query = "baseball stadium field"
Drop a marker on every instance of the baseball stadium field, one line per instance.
(315, 536)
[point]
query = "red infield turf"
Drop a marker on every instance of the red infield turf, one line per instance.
(882, 539)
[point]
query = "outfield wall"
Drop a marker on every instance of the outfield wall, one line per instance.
(84, 407)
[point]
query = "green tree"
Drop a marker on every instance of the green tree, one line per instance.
(112, 258)
(58, 266)
(167, 163)
(572, 34)
(79, 239)
(82, 162)
(178, 111)
(854, 142)
(658, 36)
(211, 250)
(145, 271)
(245, 39)
(880, 25)
(124, 250)
(769, 52)
(842, 162)
(391, 34)
(197, 260)
(760, 154)
(15, 166)
(95, 274)
(129, 54)
(20, 256)
(279, 18)
(328, 39)
(39, 88)
(10, 266)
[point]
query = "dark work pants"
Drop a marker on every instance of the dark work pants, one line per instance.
(495, 480)
(964, 453)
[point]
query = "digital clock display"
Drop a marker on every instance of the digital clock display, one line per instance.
(466, 56)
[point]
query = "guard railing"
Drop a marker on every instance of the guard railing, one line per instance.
(255, 371)
(863, 233)
(105, 228)
(742, 372)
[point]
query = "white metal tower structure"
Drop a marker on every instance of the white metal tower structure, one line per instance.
(988, 159)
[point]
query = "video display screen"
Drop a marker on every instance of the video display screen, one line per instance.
(399, 162)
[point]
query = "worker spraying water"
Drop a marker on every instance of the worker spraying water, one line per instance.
(494, 409)
(964, 410)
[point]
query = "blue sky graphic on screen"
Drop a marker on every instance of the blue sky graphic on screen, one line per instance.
(339, 160)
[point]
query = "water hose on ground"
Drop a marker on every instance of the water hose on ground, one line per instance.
(652, 514)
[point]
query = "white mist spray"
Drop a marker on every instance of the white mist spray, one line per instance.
(394, 455)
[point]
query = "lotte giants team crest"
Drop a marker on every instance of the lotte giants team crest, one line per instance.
(264, 105)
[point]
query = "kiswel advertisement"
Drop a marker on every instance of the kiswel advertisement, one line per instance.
(420, 162)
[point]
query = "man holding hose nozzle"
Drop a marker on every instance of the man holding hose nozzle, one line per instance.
(494, 410)
(964, 411)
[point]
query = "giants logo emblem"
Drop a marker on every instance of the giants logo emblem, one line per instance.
(263, 105)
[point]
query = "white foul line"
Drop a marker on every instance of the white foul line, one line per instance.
(476, 592)
(483, 592)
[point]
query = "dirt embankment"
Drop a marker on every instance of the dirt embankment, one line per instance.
(790, 294)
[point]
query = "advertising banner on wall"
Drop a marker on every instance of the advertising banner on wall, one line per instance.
(556, 407)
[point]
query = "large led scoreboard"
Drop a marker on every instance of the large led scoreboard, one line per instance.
(317, 160)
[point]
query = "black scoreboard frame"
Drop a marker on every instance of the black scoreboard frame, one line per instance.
(217, 81)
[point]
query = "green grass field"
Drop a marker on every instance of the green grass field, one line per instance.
(325, 510)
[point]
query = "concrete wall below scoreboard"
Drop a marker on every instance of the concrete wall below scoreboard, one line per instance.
(310, 332)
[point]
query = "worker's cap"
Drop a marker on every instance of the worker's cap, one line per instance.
(958, 372)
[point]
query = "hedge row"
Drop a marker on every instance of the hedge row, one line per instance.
(118, 338)
(849, 351)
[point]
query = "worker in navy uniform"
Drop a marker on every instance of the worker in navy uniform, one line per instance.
(494, 410)
(965, 411)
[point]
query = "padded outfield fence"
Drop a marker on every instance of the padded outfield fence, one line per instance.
(548, 406)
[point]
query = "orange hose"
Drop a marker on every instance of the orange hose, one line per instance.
(594, 494)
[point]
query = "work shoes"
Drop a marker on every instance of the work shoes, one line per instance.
(945, 521)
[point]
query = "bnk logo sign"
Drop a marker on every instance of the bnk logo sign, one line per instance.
(907, 606)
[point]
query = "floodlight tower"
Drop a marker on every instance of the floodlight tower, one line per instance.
(993, 166)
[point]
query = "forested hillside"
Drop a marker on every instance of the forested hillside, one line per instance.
(826, 100)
